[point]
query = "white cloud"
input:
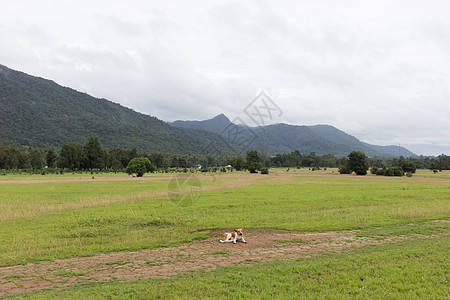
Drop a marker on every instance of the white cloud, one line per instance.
(376, 69)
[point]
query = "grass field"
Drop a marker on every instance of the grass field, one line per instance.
(54, 217)
(406, 270)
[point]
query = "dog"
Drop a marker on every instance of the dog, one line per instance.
(237, 235)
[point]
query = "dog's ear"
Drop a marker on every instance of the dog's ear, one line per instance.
(236, 230)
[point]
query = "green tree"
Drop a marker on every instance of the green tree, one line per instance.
(36, 158)
(117, 158)
(443, 162)
(407, 165)
(160, 160)
(140, 166)
(237, 162)
(51, 158)
(71, 156)
(253, 163)
(344, 167)
(2, 156)
(95, 156)
(15, 158)
(358, 162)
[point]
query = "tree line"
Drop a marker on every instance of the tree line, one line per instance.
(296, 159)
(92, 155)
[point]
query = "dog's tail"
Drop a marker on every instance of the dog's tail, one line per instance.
(220, 240)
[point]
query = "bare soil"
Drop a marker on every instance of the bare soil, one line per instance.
(263, 245)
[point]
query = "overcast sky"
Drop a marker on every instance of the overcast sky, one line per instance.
(379, 70)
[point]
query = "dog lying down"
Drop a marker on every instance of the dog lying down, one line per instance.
(237, 235)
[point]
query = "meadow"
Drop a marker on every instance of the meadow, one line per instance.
(44, 218)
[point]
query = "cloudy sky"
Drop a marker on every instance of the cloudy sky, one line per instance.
(379, 70)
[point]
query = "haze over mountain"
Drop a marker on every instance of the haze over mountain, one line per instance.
(40, 113)
(284, 138)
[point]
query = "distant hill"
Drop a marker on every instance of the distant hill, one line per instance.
(284, 138)
(40, 113)
(216, 124)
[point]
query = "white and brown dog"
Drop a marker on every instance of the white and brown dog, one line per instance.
(237, 235)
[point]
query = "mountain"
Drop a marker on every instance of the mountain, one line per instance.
(392, 150)
(40, 113)
(284, 138)
(216, 124)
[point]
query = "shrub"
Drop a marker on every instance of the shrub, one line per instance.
(398, 171)
(374, 170)
(139, 166)
(393, 171)
(381, 171)
(345, 169)
(264, 170)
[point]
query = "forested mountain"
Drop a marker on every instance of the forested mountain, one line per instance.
(40, 113)
(284, 138)
(217, 124)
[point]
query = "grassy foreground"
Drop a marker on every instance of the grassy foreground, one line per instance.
(414, 269)
(59, 219)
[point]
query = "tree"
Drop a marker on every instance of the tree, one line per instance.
(15, 159)
(71, 156)
(344, 167)
(443, 162)
(358, 162)
(139, 166)
(407, 165)
(117, 158)
(36, 158)
(95, 155)
(237, 162)
(51, 157)
(160, 160)
(253, 161)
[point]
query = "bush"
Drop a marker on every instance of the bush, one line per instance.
(381, 171)
(374, 170)
(139, 166)
(393, 171)
(345, 169)
(398, 171)
(264, 170)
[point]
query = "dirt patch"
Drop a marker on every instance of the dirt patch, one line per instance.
(263, 245)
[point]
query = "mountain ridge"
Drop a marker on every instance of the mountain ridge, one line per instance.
(40, 113)
(284, 138)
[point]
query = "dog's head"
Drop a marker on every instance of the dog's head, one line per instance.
(239, 231)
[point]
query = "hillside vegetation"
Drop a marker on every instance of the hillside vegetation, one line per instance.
(40, 113)
(285, 138)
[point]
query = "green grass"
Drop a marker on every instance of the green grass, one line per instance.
(414, 269)
(296, 241)
(220, 252)
(81, 228)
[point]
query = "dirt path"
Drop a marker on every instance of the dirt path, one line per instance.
(263, 245)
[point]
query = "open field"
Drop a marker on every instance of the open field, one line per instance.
(78, 230)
